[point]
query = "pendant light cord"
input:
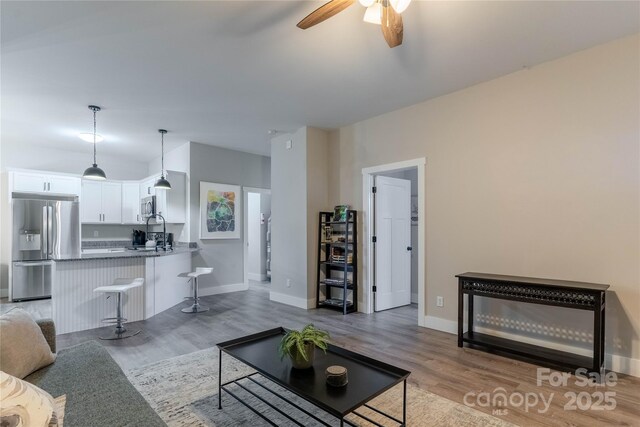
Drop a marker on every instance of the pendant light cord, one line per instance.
(162, 165)
(94, 137)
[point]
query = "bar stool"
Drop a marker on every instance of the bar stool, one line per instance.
(193, 275)
(118, 287)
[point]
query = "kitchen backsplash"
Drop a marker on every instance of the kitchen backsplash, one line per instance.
(105, 232)
(118, 243)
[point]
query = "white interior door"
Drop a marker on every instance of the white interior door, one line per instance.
(393, 242)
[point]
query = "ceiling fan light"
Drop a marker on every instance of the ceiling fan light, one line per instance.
(373, 14)
(87, 136)
(367, 3)
(400, 5)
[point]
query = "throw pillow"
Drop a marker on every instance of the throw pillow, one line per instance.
(60, 402)
(24, 348)
(24, 404)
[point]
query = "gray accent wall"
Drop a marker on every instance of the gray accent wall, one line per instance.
(222, 166)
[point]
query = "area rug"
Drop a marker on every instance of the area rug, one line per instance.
(184, 391)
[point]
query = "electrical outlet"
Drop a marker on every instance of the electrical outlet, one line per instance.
(288, 144)
(440, 301)
(95, 233)
(288, 283)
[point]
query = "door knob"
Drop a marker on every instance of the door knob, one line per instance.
(409, 248)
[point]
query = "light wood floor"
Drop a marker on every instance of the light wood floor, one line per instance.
(436, 363)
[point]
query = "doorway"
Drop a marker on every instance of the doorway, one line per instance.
(394, 268)
(257, 235)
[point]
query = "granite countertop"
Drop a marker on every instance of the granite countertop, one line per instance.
(128, 253)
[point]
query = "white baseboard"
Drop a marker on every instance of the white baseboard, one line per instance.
(223, 289)
(440, 324)
(625, 365)
(614, 362)
(257, 277)
(291, 300)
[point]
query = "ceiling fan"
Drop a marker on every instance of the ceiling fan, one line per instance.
(385, 13)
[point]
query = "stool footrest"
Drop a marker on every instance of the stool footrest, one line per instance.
(119, 336)
(114, 320)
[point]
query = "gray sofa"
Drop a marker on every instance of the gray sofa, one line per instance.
(98, 392)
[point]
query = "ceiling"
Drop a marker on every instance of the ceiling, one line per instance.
(225, 72)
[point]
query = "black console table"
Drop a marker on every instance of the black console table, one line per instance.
(558, 293)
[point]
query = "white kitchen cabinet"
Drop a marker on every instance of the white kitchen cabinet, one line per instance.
(147, 187)
(101, 202)
(112, 202)
(131, 203)
(29, 182)
(91, 202)
(64, 185)
(33, 182)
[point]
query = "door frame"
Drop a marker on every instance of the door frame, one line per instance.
(245, 225)
(368, 226)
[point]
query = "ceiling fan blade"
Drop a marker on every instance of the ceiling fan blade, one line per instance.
(324, 12)
(392, 28)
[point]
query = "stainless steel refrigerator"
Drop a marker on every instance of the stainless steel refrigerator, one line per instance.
(44, 228)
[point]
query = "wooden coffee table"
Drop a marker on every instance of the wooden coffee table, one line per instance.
(368, 378)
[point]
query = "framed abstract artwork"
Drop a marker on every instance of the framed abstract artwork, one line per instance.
(220, 210)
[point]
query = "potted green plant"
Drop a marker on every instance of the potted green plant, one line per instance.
(300, 345)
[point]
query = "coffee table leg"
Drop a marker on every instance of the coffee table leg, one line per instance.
(220, 380)
(404, 403)
(341, 422)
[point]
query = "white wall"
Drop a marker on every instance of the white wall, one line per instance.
(536, 173)
(265, 209)
(50, 159)
(258, 207)
(254, 239)
(179, 160)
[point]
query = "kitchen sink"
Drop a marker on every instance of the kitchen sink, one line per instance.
(141, 249)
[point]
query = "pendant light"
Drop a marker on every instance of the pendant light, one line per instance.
(94, 172)
(162, 183)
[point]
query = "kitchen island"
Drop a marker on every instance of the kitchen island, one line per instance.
(75, 307)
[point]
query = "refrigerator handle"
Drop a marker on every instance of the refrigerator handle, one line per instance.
(32, 263)
(50, 230)
(45, 232)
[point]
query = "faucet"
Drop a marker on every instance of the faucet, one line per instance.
(164, 230)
